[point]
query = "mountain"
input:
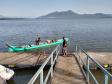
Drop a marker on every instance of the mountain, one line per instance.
(71, 15)
(62, 15)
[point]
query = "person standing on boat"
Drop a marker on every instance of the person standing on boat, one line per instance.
(37, 41)
(64, 47)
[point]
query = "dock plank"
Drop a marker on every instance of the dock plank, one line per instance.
(21, 58)
(67, 71)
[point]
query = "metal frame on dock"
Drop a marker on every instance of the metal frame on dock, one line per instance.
(86, 64)
(52, 57)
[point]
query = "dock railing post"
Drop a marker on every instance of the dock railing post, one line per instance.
(76, 50)
(79, 56)
(105, 78)
(52, 65)
(41, 77)
(88, 69)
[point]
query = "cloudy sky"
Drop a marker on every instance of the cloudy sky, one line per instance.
(35, 8)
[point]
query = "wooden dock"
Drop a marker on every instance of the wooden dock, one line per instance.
(22, 59)
(67, 71)
(101, 57)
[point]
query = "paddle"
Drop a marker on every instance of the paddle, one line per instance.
(9, 45)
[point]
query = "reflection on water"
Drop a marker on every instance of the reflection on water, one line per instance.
(22, 76)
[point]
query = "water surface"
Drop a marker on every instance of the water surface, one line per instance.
(91, 34)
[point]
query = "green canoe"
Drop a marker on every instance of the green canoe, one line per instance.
(32, 47)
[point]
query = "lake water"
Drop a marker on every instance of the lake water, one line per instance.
(22, 76)
(91, 34)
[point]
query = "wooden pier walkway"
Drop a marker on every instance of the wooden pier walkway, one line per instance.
(22, 59)
(67, 71)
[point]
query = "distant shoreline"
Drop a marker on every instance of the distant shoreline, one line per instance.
(62, 15)
(48, 18)
(14, 18)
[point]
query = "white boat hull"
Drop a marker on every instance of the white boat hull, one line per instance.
(6, 73)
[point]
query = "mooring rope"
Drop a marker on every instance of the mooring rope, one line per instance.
(37, 61)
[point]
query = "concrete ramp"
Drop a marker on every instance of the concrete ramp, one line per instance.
(67, 71)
